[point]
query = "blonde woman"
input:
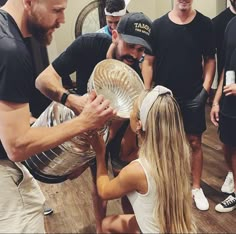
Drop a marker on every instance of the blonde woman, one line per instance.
(158, 183)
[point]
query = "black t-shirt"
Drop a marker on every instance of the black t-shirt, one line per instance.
(179, 50)
(37, 102)
(228, 103)
(82, 56)
(220, 22)
(16, 71)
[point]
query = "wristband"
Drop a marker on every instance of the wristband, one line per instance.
(215, 104)
(64, 97)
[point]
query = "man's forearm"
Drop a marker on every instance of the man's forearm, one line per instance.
(218, 93)
(49, 83)
(147, 71)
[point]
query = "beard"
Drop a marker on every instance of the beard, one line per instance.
(123, 58)
(184, 5)
(233, 4)
(40, 32)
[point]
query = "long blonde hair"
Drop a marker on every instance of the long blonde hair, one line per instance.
(166, 151)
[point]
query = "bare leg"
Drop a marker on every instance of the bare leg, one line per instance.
(228, 185)
(227, 155)
(229, 204)
(197, 159)
(99, 205)
(233, 164)
(197, 164)
(120, 224)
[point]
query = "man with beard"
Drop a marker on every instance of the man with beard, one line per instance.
(129, 41)
(220, 22)
(183, 60)
(21, 200)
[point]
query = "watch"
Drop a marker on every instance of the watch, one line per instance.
(64, 97)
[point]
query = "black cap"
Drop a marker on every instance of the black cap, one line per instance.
(135, 28)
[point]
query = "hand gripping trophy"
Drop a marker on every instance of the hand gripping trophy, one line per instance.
(117, 82)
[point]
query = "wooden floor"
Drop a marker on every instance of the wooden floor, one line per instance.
(72, 201)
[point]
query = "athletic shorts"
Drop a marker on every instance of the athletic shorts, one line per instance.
(193, 113)
(227, 130)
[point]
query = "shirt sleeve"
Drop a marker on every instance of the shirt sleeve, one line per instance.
(86, 50)
(209, 40)
(68, 61)
(16, 71)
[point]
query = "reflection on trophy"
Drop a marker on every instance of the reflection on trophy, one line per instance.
(118, 83)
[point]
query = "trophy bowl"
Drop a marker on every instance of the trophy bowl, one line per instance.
(118, 83)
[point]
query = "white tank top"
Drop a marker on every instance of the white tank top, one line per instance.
(143, 205)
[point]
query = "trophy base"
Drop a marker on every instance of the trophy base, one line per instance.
(48, 179)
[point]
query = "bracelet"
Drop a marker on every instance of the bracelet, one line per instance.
(215, 104)
(64, 97)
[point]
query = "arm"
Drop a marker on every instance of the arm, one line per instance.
(214, 114)
(147, 70)
(208, 72)
(230, 90)
(49, 83)
(32, 119)
(128, 180)
(20, 141)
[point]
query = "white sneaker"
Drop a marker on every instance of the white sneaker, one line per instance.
(200, 199)
(227, 205)
(228, 186)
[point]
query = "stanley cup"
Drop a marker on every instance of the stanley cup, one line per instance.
(117, 82)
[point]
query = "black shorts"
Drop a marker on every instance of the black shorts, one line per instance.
(193, 113)
(227, 130)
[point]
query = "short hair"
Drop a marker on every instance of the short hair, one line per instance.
(114, 5)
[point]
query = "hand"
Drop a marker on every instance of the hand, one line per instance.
(96, 112)
(32, 120)
(76, 102)
(229, 90)
(200, 99)
(98, 144)
(214, 114)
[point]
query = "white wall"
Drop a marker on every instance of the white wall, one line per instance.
(64, 36)
(152, 8)
(209, 8)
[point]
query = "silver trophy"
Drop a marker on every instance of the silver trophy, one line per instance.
(117, 82)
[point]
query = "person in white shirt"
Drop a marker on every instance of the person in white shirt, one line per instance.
(158, 182)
